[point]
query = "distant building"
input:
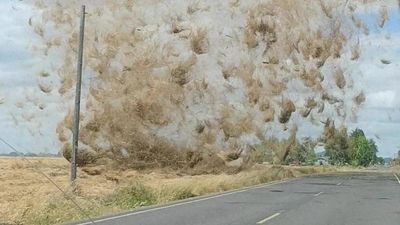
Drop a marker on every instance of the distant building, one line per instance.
(322, 161)
(387, 161)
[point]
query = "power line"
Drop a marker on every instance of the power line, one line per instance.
(65, 195)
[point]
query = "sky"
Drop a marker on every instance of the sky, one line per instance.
(23, 123)
(28, 117)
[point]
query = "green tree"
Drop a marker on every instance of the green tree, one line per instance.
(302, 153)
(342, 148)
(337, 148)
(363, 151)
(374, 149)
(357, 133)
(380, 161)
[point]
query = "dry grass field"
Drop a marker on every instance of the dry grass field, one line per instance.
(24, 189)
(27, 197)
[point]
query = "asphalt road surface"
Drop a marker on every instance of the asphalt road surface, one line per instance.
(364, 198)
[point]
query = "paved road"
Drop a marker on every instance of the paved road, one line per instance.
(365, 198)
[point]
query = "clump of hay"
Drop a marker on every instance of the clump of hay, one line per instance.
(233, 125)
(199, 41)
(200, 126)
(340, 80)
(39, 30)
(329, 129)
(180, 72)
(250, 39)
(45, 88)
(204, 162)
(265, 105)
(321, 46)
(289, 143)
(44, 74)
(360, 25)
(42, 106)
(311, 103)
(360, 98)
(326, 9)
(321, 107)
(309, 106)
(150, 110)
(331, 99)
(228, 72)
(355, 51)
(383, 16)
(272, 59)
(254, 92)
(235, 129)
(260, 26)
(269, 115)
(276, 86)
(208, 136)
(66, 84)
(287, 109)
(306, 112)
(245, 71)
(85, 155)
(310, 77)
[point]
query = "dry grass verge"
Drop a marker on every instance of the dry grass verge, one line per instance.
(27, 198)
(396, 169)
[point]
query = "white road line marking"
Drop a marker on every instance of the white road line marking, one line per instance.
(339, 184)
(398, 180)
(268, 218)
(184, 203)
(316, 195)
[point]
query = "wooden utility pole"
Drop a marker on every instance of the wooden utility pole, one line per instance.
(77, 97)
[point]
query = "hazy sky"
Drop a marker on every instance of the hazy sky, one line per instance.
(30, 128)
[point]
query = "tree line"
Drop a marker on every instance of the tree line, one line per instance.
(352, 149)
(341, 148)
